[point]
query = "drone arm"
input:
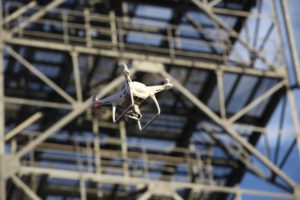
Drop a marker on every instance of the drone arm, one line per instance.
(114, 113)
(155, 116)
(126, 73)
(158, 88)
(113, 99)
(156, 103)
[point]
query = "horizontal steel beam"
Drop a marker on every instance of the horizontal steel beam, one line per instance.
(39, 103)
(181, 62)
(111, 179)
(162, 157)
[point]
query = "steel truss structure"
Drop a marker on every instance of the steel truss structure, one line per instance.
(232, 63)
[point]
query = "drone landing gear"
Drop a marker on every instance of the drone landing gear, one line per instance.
(128, 86)
(121, 115)
(133, 112)
(153, 118)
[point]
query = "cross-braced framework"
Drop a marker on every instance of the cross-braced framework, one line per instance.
(232, 64)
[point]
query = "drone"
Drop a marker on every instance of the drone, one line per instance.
(130, 98)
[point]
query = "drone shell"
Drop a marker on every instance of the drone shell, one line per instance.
(139, 90)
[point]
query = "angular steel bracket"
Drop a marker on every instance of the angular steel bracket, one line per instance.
(297, 192)
(11, 165)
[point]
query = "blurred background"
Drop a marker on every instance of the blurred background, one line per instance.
(229, 129)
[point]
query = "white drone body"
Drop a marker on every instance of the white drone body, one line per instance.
(130, 98)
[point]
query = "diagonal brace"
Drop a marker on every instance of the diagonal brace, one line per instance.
(21, 185)
(227, 127)
(37, 15)
(19, 12)
(40, 75)
(77, 110)
(209, 12)
(257, 101)
(23, 125)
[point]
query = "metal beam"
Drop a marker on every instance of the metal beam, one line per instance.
(291, 40)
(124, 149)
(76, 72)
(82, 189)
(2, 111)
(97, 150)
(19, 12)
(293, 108)
(257, 101)
(141, 56)
(176, 196)
(37, 15)
(146, 196)
(23, 125)
(112, 179)
(210, 13)
(40, 75)
(170, 160)
(79, 109)
(221, 97)
(227, 127)
(214, 2)
(21, 185)
(38, 103)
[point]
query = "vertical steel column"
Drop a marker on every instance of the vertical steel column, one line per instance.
(97, 147)
(76, 72)
(39, 74)
(2, 112)
(65, 27)
(87, 27)
(97, 153)
(221, 99)
(145, 162)
(293, 108)
(82, 188)
(78, 151)
(237, 196)
(170, 41)
(124, 149)
(291, 40)
(219, 23)
(113, 29)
